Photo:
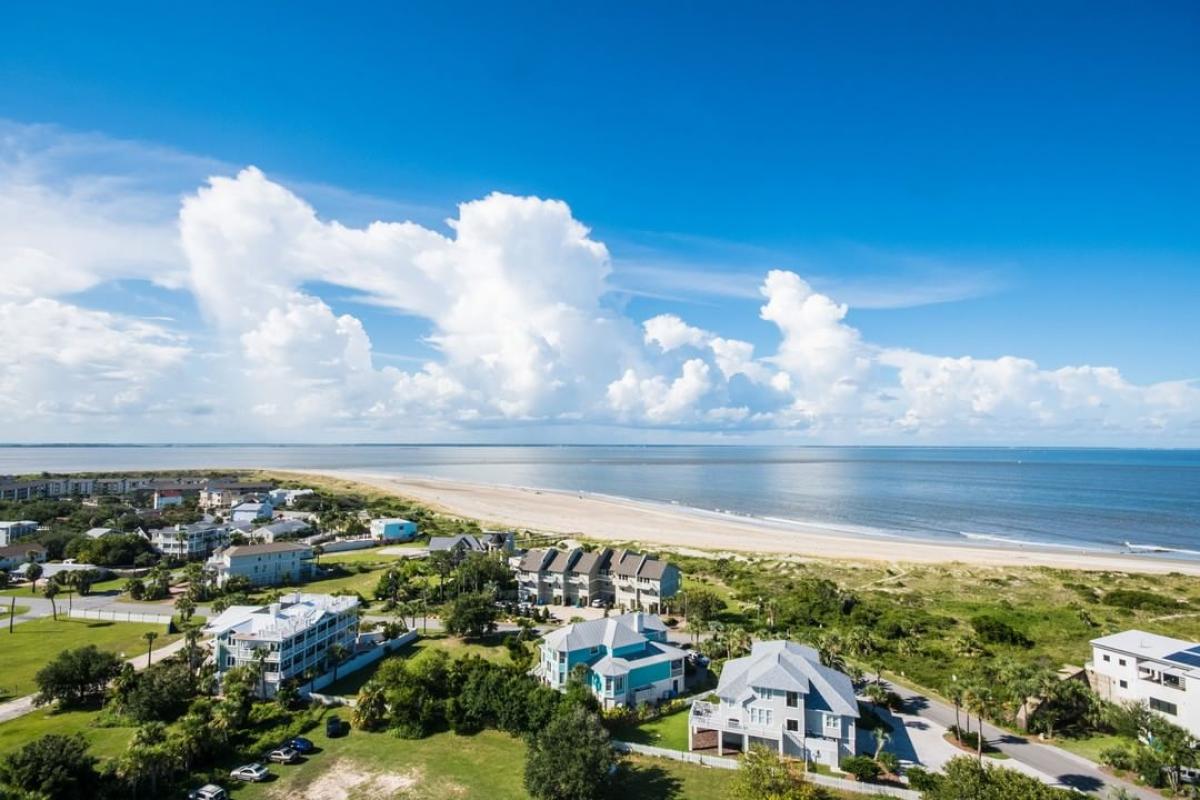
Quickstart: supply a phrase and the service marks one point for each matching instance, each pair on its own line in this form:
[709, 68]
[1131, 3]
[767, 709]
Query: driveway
[1027, 754]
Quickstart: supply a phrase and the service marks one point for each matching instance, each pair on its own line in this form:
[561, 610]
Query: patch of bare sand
[345, 780]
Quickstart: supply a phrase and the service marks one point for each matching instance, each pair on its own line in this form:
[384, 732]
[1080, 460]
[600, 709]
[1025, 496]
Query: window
[760, 716]
[793, 724]
[1121, 661]
[793, 699]
[832, 721]
[1106, 658]
[1163, 706]
[1124, 684]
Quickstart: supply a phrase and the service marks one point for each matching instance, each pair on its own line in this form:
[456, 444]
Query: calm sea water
[1096, 499]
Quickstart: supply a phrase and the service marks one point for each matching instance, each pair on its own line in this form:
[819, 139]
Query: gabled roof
[451, 542]
[264, 549]
[562, 561]
[791, 667]
[612, 633]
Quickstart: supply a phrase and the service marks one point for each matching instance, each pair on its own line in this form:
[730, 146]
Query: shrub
[53, 766]
[75, 676]
[922, 779]
[1139, 600]
[1118, 757]
[863, 768]
[993, 630]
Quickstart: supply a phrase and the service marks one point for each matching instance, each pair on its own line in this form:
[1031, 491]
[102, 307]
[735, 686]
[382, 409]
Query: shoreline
[616, 519]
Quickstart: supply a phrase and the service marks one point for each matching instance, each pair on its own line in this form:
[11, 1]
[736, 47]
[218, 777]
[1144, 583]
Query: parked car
[284, 755]
[599, 602]
[250, 773]
[333, 727]
[300, 745]
[209, 791]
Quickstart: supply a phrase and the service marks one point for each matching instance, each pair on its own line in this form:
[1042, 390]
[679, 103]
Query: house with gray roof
[273, 564]
[626, 659]
[1159, 672]
[463, 543]
[624, 579]
[781, 697]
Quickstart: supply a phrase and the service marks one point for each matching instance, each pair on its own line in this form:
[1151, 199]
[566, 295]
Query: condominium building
[626, 659]
[274, 564]
[11, 531]
[189, 542]
[625, 579]
[1158, 672]
[293, 638]
[780, 697]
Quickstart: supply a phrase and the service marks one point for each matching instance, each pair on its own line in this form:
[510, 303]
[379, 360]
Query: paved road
[1066, 768]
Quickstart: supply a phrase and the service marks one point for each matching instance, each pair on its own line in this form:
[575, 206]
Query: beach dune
[613, 519]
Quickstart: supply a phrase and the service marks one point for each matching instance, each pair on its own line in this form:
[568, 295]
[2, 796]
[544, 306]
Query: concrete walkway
[24, 705]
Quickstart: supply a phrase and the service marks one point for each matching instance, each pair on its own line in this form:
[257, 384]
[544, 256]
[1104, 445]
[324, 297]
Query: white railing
[120, 616]
[854, 787]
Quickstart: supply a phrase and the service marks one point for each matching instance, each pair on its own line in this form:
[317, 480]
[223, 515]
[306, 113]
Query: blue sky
[975, 180]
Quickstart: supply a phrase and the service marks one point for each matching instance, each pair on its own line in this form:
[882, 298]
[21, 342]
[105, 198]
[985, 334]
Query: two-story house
[781, 697]
[273, 564]
[626, 659]
[188, 542]
[290, 637]
[625, 579]
[393, 529]
[1158, 672]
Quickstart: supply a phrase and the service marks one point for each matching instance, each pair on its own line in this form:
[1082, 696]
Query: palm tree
[442, 561]
[192, 637]
[829, 648]
[980, 699]
[337, 654]
[882, 737]
[955, 695]
[186, 607]
[149, 636]
[33, 571]
[50, 591]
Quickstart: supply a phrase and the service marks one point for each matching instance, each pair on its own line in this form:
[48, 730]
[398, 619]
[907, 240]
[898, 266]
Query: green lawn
[32, 644]
[24, 590]
[371, 556]
[1089, 747]
[670, 731]
[362, 582]
[490, 648]
[14, 610]
[105, 742]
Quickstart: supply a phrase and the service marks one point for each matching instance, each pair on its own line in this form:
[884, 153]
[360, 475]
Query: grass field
[1089, 747]
[17, 610]
[490, 648]
[104, 742]
[24, 590]
[32, 644]
[670, 731]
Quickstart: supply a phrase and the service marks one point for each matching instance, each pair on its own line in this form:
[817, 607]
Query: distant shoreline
[617, 519]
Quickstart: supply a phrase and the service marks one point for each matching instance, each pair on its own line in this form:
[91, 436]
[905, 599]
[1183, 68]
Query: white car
[208, 792]
[284, 755]
[599, 602]
[250, 773]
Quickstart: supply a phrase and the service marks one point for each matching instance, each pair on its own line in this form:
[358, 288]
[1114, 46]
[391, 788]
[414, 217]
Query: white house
[1158, 672]
[13, 556]
[99, 533]
[275, 531]
[286, 497]
[189, 542]
[293, 636]
[11, 531]
[251, 510]
[781, 697]
[272, 564]
[393, 529]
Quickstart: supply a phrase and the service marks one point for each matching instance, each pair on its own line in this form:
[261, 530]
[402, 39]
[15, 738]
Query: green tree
[370, 710]
[763, 775]
[863, 768]
[54, 766]
[50, 592]
[472, 615]
[33, 572]
[76, 676]
[571, 759]
[186, 607]
[149, 636]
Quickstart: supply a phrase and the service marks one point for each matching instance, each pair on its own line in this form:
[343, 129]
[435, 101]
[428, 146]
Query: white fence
[359, 661]
[342, 545]
[120, 616]
[872, 789]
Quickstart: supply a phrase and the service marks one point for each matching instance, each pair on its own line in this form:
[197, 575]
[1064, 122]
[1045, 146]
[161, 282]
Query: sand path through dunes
[652, 524]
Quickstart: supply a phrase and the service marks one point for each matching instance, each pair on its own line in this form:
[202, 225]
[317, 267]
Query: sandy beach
[613, 519]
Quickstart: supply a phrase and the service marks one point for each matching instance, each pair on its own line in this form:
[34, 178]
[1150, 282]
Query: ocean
[1145, 501]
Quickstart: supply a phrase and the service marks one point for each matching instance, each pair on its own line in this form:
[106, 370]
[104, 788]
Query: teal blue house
[627, 659]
